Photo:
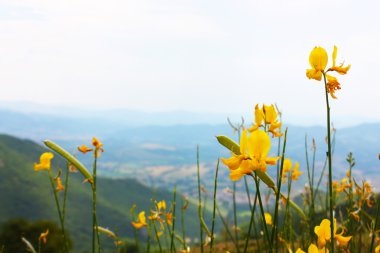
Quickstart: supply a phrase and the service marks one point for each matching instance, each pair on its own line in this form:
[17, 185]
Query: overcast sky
[196, 55]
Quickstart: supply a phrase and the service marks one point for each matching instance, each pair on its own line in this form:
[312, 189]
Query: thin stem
[39, 246]
[199, 202]
[173, 220]
[59, 212]
[226, 227]
[65, 193]
[262, 213]
[235, 215]
[214, 206]
[95, 231]
[329, 162]
[310, 177]
[157, 237]
[248, 194]
[279, 181]
[250, 224]
[183, 224]
[375, 226]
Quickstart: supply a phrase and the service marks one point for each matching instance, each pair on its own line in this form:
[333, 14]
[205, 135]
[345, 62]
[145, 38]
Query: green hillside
[27, 194]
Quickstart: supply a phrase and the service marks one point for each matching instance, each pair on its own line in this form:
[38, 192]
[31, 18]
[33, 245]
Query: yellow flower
[332, 85]
[271, 119]
[323, 231]
[324, 234]
[161, 205]
[268, 115]
[43, 236]
[318, 60]
[98, 146]
[296, 173]
[300, 251]
[44, 162]
[268, 218]
[141, 221]
[340, 69]
[314, 249]
[342, 240]
[84, 149]
[254, 150]
[287, 168]
[259, 117]
[60, 186]
[377, 249]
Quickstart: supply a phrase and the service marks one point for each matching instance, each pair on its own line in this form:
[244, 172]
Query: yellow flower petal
[312, 249]
[343, 240]
[233, 162]
[259, 144]
[141, 221]
[314, 74]
[44, 162]
[268, 218]
[318, 58]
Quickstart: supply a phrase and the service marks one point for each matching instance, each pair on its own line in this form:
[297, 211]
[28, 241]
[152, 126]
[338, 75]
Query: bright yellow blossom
[295, 172]
[268, 218]
[377, 249]
[323, 231]
[253, 155]
[60, 186]
[141, 221]
[267, 115]
[98, 146]
[340, 69]
[324, 234]
[259, 117]
[84, 149]
[43, 236]
[44, 162]
[287, 168]
[313, 249]
[318, 60]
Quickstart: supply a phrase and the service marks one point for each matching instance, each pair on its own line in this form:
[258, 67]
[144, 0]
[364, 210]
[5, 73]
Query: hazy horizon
[214, 57]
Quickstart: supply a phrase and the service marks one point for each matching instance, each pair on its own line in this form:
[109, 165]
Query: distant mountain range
[165, 155]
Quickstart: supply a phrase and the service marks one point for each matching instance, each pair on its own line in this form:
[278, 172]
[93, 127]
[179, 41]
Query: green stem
[214, 205]
[39, 246]
[235, 215]
[375, 226]
[173, 220]
[279, 181]
[183, 225]
[157, 237]
[226, 227]
[310, 177]
[329, 162]
[262, 213]
[59, 212]
[199, 202]
[65, 193]
[95, 231]
[250, 224]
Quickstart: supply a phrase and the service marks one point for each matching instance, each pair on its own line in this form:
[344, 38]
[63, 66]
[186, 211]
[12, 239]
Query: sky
[200, 56]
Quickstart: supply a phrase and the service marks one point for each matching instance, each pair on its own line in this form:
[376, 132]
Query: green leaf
[70, 158]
